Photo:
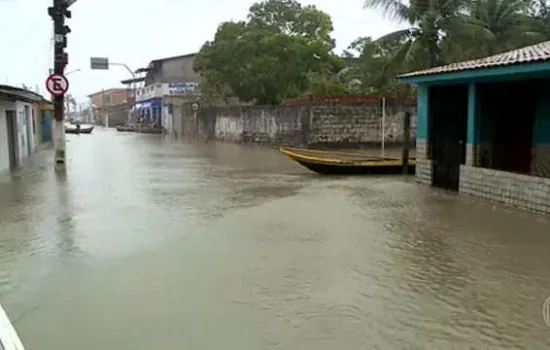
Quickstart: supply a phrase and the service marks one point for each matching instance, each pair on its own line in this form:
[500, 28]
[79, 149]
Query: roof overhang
[142, 70]
[10, 93]
[131, 81]
[510, 72]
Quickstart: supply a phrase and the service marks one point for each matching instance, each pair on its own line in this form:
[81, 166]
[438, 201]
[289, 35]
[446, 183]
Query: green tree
[444, 31]
[271, 56]
[428, 19]
[493, 26]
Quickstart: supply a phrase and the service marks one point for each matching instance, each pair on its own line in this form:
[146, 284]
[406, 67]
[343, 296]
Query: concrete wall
[423, 164]
[522, 191]
[179, 70]
[24, 126]
[37, 124]
[4, 150]
[316, 126]
[173, 69]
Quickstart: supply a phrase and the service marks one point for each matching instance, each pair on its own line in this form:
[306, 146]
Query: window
[33, 125]
[108, 100]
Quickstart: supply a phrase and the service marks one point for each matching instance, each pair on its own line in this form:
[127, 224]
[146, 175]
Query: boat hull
[141, 130]
[328, 169]
[8, 336]
[341, 163]
[82, 130]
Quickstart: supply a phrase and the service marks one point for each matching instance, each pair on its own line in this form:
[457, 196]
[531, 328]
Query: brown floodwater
[151, 244]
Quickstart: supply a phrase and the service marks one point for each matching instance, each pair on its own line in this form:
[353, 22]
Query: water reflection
[168, 241]
[66, 225]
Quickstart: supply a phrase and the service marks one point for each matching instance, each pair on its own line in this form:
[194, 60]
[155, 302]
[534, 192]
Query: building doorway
[29, 129]
[11, 126]
[508, 124]
[448, 122]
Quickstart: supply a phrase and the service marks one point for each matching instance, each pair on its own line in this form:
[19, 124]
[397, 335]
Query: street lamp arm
[125, 66]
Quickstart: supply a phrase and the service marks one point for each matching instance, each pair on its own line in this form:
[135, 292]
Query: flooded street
[151, 244]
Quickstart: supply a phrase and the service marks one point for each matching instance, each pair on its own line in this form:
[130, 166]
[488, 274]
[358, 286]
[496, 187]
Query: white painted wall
[4, 150]
[24, 129]
[167, 123]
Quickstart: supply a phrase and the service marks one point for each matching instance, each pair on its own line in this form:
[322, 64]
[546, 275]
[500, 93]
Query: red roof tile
[530, 54]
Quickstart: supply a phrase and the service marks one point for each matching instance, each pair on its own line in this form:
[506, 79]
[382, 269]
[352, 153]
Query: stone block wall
[523, 191]
[358, 124]
[329, 125]
[423, 164]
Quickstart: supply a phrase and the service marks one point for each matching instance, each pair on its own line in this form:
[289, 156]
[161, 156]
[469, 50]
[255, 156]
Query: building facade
[166, 82]
[111, 106]
[110, 97]
[483, 127]
[18, 125]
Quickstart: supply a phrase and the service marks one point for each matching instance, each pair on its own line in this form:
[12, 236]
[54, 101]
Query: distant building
[111, 97]
[21, 122]
[166, 81]
[111, 105]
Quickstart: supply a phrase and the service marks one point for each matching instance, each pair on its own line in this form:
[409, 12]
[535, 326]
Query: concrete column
[422, 115]
[472, 137]
[59, 142]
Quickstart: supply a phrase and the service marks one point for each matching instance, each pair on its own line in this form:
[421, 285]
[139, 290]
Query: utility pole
[58, 12]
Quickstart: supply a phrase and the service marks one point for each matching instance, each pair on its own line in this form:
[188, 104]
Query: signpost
[101, 63]
[57, 85]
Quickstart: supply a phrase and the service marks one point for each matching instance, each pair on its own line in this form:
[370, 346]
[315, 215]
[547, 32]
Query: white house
[18, 108]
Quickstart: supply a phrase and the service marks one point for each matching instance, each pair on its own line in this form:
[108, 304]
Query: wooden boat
[346, 163]
[139, 129]
[122, 128]
[73, 129]
[9, 340]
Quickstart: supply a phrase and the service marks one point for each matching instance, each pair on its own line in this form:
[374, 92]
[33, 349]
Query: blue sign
[152, 103]
[182, 88]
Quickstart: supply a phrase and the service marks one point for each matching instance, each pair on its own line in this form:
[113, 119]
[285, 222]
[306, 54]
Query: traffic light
[58, 12]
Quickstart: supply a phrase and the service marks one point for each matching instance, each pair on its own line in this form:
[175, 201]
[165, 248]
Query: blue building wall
[422, 111]
[480, 119]
[473, 110]
[46, 126]
[151, 109]
[541, 129]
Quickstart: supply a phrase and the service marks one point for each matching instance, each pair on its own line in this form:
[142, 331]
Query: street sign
[57, 84]
[99, 63]
[195, 106]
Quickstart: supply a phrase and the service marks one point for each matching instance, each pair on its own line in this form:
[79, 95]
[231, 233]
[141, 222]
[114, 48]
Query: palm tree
[70, 101]
[429, 20]
[494, 26]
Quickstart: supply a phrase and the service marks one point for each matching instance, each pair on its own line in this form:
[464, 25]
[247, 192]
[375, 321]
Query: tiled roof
[529, 54]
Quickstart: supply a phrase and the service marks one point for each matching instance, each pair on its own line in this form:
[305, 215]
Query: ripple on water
[352, 263]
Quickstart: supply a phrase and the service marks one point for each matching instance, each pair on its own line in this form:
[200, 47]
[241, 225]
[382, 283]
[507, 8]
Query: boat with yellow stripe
[346, 163]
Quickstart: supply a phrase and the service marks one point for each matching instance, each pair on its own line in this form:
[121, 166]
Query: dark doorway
[448, 131]
[12, 140]
[510, 122]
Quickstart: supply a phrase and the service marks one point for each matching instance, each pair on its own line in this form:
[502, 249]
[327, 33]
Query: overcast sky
[135, 32]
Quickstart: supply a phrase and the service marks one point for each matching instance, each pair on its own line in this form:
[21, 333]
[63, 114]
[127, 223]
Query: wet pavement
[151, 244]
